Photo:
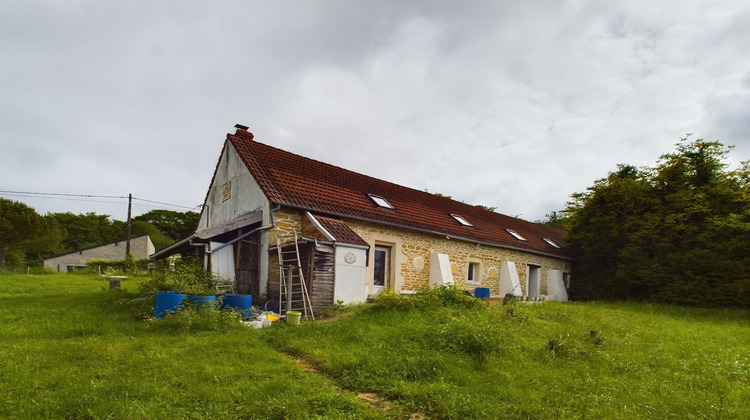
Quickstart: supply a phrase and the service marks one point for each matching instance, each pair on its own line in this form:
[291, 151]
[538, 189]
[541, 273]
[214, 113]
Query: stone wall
[410, 255]
[141, 247]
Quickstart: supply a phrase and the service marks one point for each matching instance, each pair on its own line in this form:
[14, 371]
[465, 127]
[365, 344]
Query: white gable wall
[245, 197]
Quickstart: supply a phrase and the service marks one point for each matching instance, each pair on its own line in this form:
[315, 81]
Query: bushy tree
[23, 229]
[679, 232]
[84, 230]
[174, 224]
[158, 238]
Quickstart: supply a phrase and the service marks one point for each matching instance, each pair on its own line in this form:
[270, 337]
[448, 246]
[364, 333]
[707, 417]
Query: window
[473, 272]
[380, 201]
[549, 241]
[382, 267]
[461, 220]
[226, 191]
[516, 235]
[566, 279]
[533, 280]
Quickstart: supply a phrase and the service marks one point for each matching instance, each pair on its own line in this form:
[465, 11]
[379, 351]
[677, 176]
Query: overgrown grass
[593, 360]
[69, 348]
[72, 349]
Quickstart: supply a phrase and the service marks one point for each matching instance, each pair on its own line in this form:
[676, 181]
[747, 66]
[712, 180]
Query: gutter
[177, 244]
[333, 243]
[360, 219]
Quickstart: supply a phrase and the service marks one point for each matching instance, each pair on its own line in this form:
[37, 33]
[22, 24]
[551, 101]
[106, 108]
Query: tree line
[678, 232]
[27, 237]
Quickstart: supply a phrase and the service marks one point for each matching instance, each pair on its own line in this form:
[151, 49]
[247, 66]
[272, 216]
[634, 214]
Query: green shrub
[426, 298]
[388, 299]
[199, 318]
[188, 276]
[128, 266]
[446, 296]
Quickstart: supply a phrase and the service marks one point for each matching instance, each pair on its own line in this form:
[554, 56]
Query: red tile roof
[340, 231]
[293, 180]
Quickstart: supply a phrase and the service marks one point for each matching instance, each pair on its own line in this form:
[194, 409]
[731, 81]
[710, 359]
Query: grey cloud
[509, 104]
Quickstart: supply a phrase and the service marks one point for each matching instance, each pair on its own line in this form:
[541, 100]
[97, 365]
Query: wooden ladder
[293, 294]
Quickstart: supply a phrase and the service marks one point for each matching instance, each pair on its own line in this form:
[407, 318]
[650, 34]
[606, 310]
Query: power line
[62, 196]
[166, 204]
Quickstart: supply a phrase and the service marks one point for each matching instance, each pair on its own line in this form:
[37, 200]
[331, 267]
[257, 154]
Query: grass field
[71, 349]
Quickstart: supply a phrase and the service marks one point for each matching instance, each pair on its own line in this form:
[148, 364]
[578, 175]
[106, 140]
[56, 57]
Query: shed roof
[132, 238]
[293, 180]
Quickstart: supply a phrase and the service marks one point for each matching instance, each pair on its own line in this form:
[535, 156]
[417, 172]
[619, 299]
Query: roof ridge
[298, 181]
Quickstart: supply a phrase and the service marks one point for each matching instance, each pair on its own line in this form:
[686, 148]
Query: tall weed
[428, 299]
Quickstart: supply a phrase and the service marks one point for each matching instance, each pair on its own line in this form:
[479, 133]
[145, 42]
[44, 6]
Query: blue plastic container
[482, 292]
[202, 300]
[242, 303]
[167, 302]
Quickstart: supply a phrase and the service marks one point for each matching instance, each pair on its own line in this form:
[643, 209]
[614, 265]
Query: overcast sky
[510, 104]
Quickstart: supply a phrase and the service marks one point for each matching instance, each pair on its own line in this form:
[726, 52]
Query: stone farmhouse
[355, 235]
[140, 246]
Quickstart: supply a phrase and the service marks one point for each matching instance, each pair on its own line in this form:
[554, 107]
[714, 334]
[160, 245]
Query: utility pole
[130, 212]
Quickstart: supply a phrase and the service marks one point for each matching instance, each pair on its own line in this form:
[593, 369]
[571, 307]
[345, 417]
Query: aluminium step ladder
[293, 294]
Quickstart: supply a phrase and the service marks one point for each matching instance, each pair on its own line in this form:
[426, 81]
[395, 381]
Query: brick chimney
[243, 130]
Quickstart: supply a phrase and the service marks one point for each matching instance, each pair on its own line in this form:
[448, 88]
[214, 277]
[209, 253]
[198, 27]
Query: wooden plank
[234, 224]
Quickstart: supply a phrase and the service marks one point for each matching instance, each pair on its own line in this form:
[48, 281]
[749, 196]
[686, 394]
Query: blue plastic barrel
[242, 303]
[167, 302]
[482, 292]
[202, 300]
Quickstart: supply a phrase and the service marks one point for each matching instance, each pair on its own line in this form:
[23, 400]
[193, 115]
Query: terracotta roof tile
[340, 231]
[295, 180]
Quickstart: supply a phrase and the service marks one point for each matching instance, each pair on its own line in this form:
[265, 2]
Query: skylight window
[461, 220]
[516, 235]
[380, 201]
[551, 242]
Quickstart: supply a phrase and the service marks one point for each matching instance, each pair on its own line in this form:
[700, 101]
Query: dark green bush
[199, 318]
[438, 297]
[188, 276]
[127, 266]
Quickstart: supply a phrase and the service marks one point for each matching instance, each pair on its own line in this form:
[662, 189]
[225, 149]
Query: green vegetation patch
[554, 360]
[72, 348]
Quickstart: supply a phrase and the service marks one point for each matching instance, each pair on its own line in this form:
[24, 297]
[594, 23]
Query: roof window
[551, 242]
[516, 235]
[380, 201]
[461, 220]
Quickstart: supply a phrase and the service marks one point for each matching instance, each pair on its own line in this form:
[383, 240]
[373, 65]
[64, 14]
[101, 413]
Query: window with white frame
[551, 242]
[473, 273]
[380, 201]
[461, 220]
[516, 235]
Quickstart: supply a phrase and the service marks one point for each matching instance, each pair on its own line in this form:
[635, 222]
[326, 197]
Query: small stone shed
[140, 246]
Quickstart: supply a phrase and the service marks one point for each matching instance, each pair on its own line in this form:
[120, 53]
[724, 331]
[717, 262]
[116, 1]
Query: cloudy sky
[511, 104]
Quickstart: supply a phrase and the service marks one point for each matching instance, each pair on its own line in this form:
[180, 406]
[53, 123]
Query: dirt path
[379, 403]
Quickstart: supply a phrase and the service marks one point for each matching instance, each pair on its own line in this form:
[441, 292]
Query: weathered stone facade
[411, 250]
